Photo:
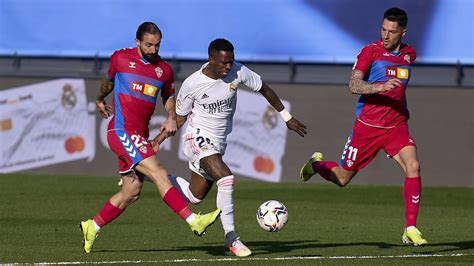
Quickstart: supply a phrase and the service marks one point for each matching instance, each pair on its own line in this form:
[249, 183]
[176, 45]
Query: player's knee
[343, 182]
[344, 179]
[413, 166]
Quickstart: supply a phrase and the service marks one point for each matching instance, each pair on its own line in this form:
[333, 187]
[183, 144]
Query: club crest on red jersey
[159, 72]
[407, 58]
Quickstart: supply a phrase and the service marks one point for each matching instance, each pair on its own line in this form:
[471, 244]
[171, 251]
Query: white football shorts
[197, 146]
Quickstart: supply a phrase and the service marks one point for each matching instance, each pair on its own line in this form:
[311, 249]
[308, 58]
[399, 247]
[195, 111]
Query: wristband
[285, 115]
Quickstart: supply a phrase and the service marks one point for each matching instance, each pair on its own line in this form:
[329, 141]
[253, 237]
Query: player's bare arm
[169, 126]
[156, 142]
[106, 87]
[275, 101]
[357, 84]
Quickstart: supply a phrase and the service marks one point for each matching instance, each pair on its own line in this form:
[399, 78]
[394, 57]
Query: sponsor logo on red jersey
[138, 86]
[144, 88]
[397, 72]
[391, 71]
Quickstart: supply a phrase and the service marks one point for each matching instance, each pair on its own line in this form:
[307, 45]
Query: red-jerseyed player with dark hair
[137, 75]
[380, 75]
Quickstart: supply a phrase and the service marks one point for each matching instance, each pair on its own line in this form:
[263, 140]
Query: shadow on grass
[269, 247]
[452, 246]
[262, 247]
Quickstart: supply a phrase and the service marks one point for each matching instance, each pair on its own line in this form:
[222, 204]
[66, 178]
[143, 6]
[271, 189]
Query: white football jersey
[210, 103]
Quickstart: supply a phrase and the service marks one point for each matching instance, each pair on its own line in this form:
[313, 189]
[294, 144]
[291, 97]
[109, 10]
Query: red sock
[324, 168]
[107, 214]
[412, 197]
[176, 202]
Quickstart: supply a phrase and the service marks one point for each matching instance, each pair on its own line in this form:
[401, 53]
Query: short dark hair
[220, 45]
[396, 14]
[147, 27]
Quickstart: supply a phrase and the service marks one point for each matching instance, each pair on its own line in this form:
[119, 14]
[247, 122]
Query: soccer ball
[272, 216]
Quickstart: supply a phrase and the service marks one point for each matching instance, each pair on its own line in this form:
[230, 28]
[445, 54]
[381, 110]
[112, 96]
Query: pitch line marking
[252, 259]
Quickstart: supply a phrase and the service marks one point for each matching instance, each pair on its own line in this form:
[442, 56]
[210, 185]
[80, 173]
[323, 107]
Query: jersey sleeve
[112, 66]
[364, 60]
[250, 78]
[411, 54]
[185, 100]
[168, 89]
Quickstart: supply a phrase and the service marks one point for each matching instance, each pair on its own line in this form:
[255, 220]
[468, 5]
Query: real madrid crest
[159, 72]
[178, 104]
[68, 99]
[232, 87]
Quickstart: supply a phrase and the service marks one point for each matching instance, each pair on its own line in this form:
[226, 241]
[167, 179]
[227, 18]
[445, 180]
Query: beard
[149, 57]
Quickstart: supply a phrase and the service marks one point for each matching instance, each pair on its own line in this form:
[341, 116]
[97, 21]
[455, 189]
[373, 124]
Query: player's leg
[130, 191]
[114, 207]
[215, 167]
[402, 149]
[361, 148]
[152, 168]
[195, 190]
[329, 170]
[408, 161]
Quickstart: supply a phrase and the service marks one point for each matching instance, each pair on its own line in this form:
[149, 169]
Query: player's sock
[225, 202]
[96, 226]
[412, 197]
[183, 186]
[106, 215]
[191, 198]
[176, 202]
[323, 168]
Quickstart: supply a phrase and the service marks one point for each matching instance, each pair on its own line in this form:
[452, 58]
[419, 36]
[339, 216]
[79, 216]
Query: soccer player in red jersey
[380, 75]
[136, 76]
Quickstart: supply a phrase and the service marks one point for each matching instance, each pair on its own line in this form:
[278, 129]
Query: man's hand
[296, 126]
[389, 85]
[104, 109]
[169, 127]
[155, 143]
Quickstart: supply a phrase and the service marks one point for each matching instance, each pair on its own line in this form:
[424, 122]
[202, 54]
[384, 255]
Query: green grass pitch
[39, 217]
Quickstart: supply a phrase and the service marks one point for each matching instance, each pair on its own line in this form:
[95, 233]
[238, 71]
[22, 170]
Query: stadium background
[304, 49]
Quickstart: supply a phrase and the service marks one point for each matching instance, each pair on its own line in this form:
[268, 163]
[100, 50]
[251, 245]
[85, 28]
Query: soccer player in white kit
[207, 99]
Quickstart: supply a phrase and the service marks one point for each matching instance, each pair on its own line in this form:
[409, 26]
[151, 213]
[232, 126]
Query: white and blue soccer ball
[272, 216]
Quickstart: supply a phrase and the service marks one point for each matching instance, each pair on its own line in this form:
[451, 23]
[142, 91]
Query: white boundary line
[251, 259]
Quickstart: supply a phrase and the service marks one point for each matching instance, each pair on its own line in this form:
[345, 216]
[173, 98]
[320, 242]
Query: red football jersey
[386, 109]
[137, 83]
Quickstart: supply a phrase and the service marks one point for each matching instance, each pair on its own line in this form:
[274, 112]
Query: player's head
[393, 28]
[221, 57]
[148, 39]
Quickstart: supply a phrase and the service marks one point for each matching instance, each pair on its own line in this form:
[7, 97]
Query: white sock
[191, 218]
[96, 226]
[183, 186]
[225, 202]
